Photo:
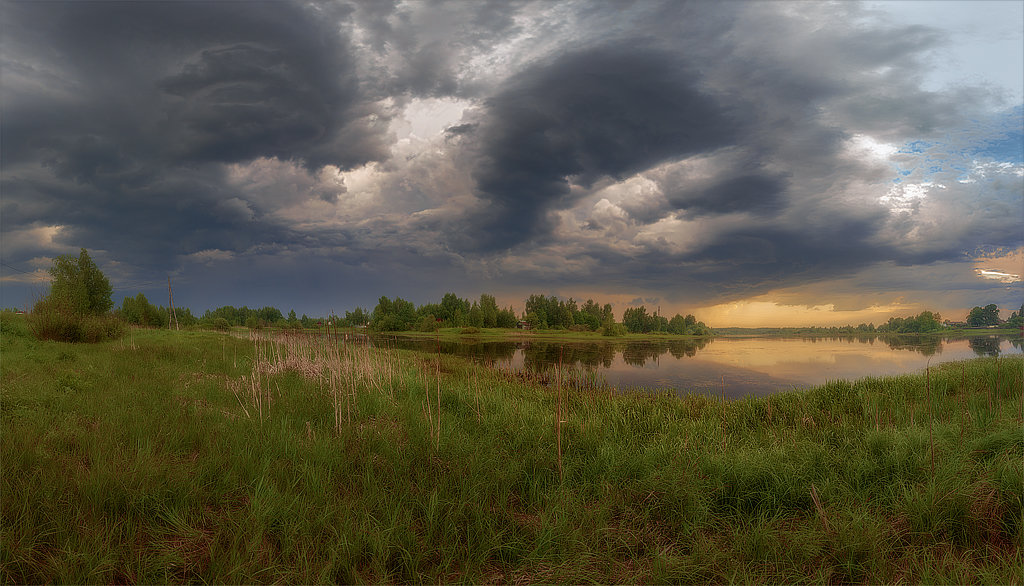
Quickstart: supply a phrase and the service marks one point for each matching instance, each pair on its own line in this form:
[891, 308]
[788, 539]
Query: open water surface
[735, 366]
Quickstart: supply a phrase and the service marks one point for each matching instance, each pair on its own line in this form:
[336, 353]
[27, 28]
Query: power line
[134, 286]
[19, 270]
[119, 288]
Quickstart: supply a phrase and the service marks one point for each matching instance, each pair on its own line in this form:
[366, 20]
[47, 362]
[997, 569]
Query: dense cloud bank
[323, 154]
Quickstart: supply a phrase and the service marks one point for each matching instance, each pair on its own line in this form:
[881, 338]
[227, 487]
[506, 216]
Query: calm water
[743, 366]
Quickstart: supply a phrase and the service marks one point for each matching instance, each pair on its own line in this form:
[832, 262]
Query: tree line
[541, 312]
[79, 308]
[452, 311]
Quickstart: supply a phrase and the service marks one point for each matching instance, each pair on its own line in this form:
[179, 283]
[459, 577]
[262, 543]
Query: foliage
[265, 316]
[980, 317]
[220, 323]
[392, 316]
[356, 318]
[140, 312]
[612, 329]
[636, 320]
[79, 285]
[428, 323]
[924, 322]
[77, 308]
[1016, 318]
[56, 319]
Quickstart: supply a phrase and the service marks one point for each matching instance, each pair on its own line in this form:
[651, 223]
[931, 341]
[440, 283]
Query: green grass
[135, 462]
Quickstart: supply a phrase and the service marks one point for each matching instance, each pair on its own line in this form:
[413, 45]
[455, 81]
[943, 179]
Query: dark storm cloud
[120, 117]
[607, 111]
[193, 82]
[686, 149]
[758, 194]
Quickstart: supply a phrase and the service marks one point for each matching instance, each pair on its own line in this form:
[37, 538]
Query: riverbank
[197, 456]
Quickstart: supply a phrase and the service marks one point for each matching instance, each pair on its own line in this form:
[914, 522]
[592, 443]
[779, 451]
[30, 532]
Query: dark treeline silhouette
[541, 312]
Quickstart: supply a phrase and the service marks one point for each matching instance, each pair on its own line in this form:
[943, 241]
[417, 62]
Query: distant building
[523, 325]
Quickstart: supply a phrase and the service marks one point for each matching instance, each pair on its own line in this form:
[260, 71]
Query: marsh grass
[201, 457]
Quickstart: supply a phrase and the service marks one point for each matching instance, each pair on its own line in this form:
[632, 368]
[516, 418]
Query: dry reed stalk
[820, 509]
[428, 410]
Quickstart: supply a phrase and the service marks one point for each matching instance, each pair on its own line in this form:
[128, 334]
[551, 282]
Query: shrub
[613, 330]
[53, 319]
[428, 324]
[470, 330]
[221, 324]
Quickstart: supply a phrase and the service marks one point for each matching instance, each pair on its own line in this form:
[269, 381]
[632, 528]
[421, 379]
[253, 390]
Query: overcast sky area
[753, 163]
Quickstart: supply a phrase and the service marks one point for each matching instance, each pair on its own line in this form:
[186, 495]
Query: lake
[741, 366]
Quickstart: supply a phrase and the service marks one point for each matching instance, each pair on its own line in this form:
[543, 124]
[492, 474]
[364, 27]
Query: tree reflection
[543, 355]
[926, 345]
[984, 345]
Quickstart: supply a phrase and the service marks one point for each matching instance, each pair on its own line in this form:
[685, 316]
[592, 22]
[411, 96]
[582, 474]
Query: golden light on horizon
[771, 314]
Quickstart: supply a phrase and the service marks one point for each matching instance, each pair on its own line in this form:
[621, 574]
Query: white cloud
[210, 256]
[998, 275]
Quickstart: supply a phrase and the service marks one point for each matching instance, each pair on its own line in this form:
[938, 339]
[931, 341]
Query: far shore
[513, 334]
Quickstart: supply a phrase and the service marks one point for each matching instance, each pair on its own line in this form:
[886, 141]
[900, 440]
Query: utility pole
[170, 300]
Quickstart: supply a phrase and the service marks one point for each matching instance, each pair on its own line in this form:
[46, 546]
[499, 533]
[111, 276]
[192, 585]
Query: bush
[221, 324]
[389, 323]
[470, 330]
[428, 324]
[51, 319]
[613, 330]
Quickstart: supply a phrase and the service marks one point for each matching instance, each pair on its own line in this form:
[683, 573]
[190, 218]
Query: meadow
[199, 456]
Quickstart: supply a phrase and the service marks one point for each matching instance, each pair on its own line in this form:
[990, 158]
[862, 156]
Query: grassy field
[205, 457]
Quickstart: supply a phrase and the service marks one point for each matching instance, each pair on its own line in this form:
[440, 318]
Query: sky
[753, 163]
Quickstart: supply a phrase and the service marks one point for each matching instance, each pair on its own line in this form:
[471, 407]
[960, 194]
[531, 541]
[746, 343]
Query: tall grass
[153, 463]
[52, 319]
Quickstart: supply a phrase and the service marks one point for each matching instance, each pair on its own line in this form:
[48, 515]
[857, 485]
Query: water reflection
[543, 354]
[925, 345]
[736, 366]
[985, 345]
